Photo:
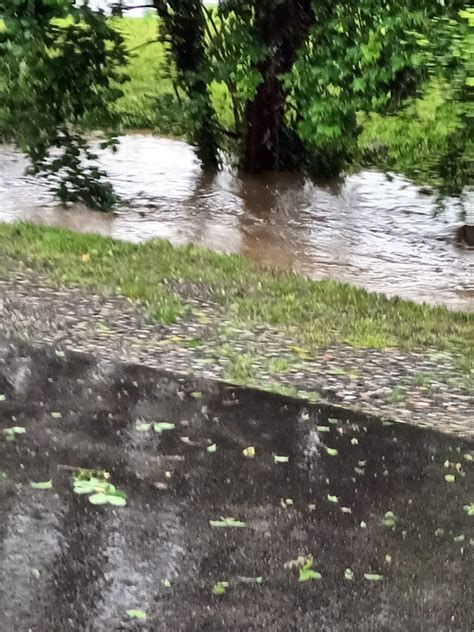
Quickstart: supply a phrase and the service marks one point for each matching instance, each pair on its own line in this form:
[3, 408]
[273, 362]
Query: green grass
[407, 141]
[149, 100]
[315, 313]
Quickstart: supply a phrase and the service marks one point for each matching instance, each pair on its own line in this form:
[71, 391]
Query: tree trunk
[183, 23]
[281, 26]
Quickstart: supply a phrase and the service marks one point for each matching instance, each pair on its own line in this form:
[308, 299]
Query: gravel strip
[422, 388]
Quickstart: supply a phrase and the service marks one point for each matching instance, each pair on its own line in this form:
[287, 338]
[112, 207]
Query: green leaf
[450, 478]
[332, 451]
[308, 575]
[354, 441]
[220, 588]
[137, 614]
[212, 448]
[143, 427]
[116, 500]
[227, 523]
[348, 574]
[469, 509]
[98, 499]
[161, 426]
[280, 459]
[196, 394]
[323, 428]
[56, 415]
[373, 577]
[306, 572]
[333, 499]
[42, 485]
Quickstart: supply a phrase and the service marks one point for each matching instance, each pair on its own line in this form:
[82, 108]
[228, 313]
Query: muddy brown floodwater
[390, 535]
[375, 231]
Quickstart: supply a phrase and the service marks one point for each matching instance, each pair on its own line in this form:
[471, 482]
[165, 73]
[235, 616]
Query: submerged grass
[317, 313]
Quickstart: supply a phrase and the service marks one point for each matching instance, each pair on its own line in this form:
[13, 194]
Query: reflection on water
[374, 231]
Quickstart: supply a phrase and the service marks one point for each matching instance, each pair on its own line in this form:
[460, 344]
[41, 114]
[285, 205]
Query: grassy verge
[317, 313]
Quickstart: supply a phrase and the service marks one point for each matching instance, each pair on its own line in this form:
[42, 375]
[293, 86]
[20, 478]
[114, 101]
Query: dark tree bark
[282, 26]
[184, 28]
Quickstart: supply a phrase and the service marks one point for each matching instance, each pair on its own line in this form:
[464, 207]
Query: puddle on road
[389, 534]
[374, 231]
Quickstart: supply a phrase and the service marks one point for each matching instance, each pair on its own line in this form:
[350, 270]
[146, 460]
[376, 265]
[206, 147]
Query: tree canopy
[297, 73]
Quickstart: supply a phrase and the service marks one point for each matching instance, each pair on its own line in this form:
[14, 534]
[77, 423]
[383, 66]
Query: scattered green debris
[159, 426]
[373, 577]
[439, 532]
[166, 583]
[3, 476]
[306, 572]
[249, 452]
[143, 427]
[333, 421]
[459, 538]
[137, 614]
[11, 433]
[220, 588]
[3, 397]
[347, 510]
[212, 448]
[333, 499]
[332, 451]
[251, 580]
[389, 519]
[100, 491]
[450, 478]
[354, 441]
[196, 394]
[469, 509]
[348, 574]
[227, 522]
[42, 485]
[56, 415]
[280, 459]
[469, 457]
[323, 428]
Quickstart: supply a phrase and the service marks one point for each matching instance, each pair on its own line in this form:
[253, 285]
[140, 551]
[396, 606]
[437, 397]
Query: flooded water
[374, 230]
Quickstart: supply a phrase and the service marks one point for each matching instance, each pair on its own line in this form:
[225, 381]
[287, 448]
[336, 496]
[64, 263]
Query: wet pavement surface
[383, 509]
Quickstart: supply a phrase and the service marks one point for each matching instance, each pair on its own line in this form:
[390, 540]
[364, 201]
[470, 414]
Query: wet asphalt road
[390, 536]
